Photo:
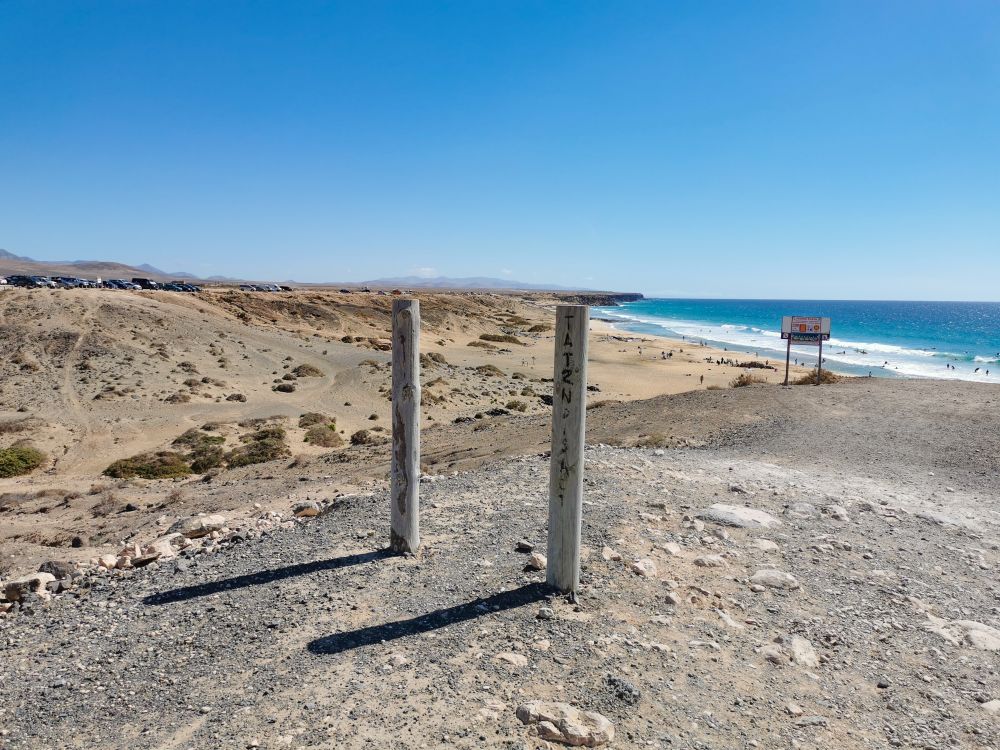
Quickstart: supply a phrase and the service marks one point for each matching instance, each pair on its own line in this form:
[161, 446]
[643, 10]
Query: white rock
[793, 710]
[517, 660]
[537, 561]
[739, 516]
[644, 567]
[108, 561]
[560, 722]
[774, 653]
[197, 526]
[992, 707]
[671, 548]
[610, 555]
[766, 545]
[836, 512]
[803, 653]
[710, 561]
[162, 547]
[966, 632]
[16, 588]
[774, 579]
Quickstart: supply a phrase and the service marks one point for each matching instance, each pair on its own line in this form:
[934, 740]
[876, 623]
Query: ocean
[886, 339]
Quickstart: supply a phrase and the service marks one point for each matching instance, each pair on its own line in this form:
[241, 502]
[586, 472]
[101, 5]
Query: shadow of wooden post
[569, 409]
[404, 535]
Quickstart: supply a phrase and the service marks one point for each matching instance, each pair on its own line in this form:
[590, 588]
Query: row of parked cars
[72, 282]
[264, 288]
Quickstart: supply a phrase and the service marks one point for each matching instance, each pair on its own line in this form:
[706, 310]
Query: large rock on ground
[739, 516]
[774, 579]
[197, 526]
[560, 722]
[965, 632]
[32, 583]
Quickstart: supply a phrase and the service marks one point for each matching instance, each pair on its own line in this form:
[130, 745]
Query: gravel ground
[313, 636]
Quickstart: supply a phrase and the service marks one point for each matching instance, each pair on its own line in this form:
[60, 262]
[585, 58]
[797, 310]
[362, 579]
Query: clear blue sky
[773, 149]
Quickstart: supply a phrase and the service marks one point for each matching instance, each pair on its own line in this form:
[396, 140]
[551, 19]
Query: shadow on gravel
[264, 576]
[352, 639]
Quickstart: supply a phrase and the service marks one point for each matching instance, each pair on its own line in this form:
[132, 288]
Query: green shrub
[206, 457]
[195, 438]
[516, 405]
[271, 432]
[20, 458]
[159, 465]
[257, 452]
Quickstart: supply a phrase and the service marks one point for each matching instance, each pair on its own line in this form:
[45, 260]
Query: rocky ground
[802, 579]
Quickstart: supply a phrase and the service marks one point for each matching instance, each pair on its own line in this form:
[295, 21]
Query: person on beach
[701, 380]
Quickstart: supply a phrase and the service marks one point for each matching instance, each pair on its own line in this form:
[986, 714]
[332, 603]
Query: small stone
[793, 710]
[774, 653]
[739, 517]
[766, 545]
[524, 546]
[882, 684]
[644, 567]
[562, 723]
[306, 509]
[509, 657]
[546, 613]
[774, 579]
[610, 555]
[537, 561]
[836, 512]
[108, 561]
[803, 653]
[57, 568]
[197, 526]
[18, 589]
[992, 707]
[671, 548]
[671, 598]
[710, 561]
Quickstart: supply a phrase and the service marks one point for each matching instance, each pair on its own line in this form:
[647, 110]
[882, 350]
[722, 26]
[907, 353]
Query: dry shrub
[540, 328]
[324, 436]
[602, 403]
[500, 338]
[744, 379]
[311, 418]
[366, 437]
[107, 505]
[517, 405]
[284, 388]
[715, 388]
[490, 371]
[656, 440]
[482, 345]
[810, 379]
[307, 371]
[11, 426]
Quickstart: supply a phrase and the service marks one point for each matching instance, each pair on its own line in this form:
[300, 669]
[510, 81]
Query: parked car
[146, 283]
[43, 281]
[186, 286]
[66, 282]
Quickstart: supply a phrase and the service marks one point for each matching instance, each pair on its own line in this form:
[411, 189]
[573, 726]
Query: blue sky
[773, 149]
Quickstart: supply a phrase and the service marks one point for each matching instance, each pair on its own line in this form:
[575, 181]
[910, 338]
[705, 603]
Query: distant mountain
[469, 282]
[4, 255]
[11, 264]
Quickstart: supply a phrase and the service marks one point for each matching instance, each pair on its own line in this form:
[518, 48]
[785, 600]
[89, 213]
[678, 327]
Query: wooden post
[819, 364]
[405, 483]
[788, 357]
[569, 409]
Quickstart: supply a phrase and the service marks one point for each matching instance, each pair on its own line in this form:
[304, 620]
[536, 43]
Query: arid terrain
[763, 566]
[90, 377]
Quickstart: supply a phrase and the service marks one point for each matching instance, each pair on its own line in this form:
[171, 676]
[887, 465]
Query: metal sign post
[805, 329]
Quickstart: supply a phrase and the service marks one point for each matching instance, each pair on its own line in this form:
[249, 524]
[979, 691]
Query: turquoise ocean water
[892, 339]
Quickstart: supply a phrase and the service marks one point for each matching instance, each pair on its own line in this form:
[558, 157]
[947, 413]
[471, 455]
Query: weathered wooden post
[405, 482]
[569, 409]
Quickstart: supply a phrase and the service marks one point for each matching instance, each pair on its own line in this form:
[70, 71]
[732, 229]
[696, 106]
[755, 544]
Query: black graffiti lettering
[568, 341]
